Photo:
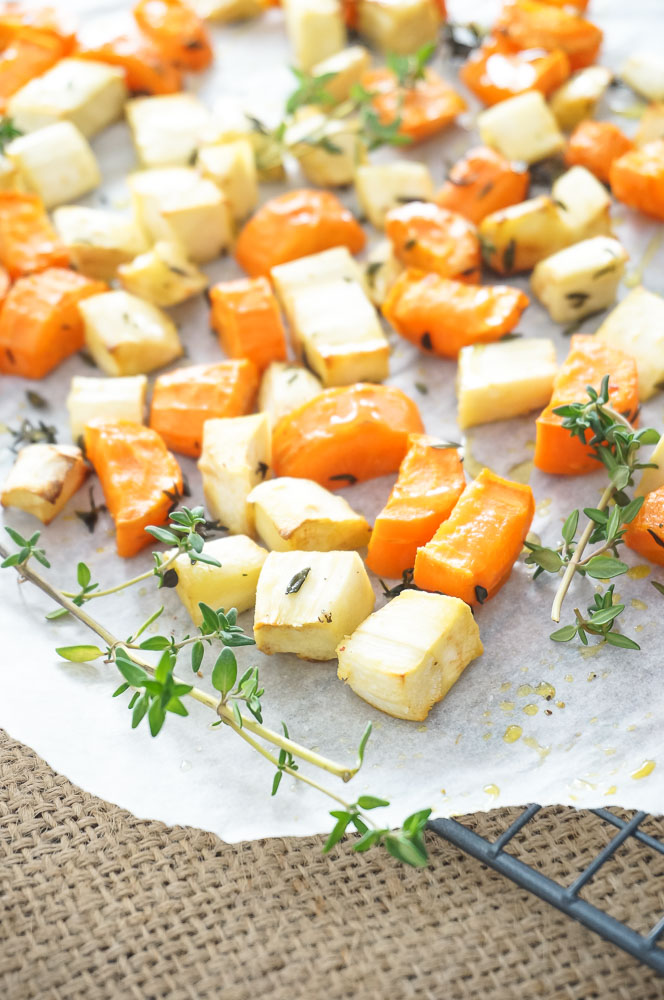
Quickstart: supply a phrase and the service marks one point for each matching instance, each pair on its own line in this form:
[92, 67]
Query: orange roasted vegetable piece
[136, 473]
[482, 182]
[595, 145]
[28, 241]
[16, 21]
[588, 361]
[40, 324]
[442, 316]
[645, 534]
[146, 71]
[293, 225]
[430, 482]
[472, 553]
[493, 74]
[246, 316]
[637, 179]
[177, 31]
[28, 54]
[345, 435]
[530, 24]
[423, 109]
[5, 284]
[432, 238]
[182, 400]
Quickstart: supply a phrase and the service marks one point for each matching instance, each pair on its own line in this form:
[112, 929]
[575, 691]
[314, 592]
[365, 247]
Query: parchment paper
[589, 718]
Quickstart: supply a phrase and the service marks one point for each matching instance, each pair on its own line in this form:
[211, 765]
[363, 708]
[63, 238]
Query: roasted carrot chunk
[472, 553]
[345, 435]
[246, 316]
[430, 482]
[28, 241]
[423, 109]
[493, 74]
[595, 145]
[432, 238]
[146, 71]
[136, 473]
[482, 182]
[5, 284]
[16, 21]
[637, 179]
[588, 361]
[28, 54]
[177, 31]
[645, 534]
[182, 400]
[40, 324]
[442, 316]
[296, 224]
[530, 24]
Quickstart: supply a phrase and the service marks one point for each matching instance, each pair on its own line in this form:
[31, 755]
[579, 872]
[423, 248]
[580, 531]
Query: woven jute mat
[98, 904]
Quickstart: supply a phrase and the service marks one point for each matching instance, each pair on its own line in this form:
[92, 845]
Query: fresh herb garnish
[36, 400]
[344, 477]
[90, 517]
[297, 581]
[8, 131]
[29, 433]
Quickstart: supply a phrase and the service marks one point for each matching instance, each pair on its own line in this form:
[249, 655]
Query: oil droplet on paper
[531, 709]
[639, 572]
[534, 745]
[506, 686]
[525, 690]
[545, 690]
[512, 734]
[507, 706]
[470, 463]
[492, 790]
[611, 790]
[185, 765]
[522, 471]
[542, 507]
[560, 704]
[487, 736]
[646, 768]
[421, 729]
[569, 678]
[588, 652]
[610, 751]
[640, 605]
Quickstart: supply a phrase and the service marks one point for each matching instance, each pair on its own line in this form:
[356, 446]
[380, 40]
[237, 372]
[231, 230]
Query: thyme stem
[576, 558]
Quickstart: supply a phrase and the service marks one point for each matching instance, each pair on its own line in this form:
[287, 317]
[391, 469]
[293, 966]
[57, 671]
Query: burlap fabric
[98, 904]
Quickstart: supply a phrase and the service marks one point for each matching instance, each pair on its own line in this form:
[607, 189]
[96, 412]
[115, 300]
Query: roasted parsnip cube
[176, 204]
[636, 326]
[89, 94]
[235, 118]
[97, 240]
[9, 175]
[167, 129]
[579, 96]
[284, 387]
[327, 149]
[584, 204]
[382, 186]
[162, 275]
[300, 514]
[503, 380]
[336, 264]
[516, 238]
[106, 398]
[651, 125]
[644, 73]
[231, 166]
[407, 655]
[56, 162]
[348, 65]
[315, 30]
[43, 478]
[127, 336]
[401, 26]
[227, 11]
[306, 602]
[231, 585]
[382, 268]
[581, 279]
[236, 456]
[521, 128]
[652, 479]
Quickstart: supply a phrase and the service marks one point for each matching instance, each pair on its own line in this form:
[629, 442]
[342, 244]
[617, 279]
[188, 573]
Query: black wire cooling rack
[644, 947]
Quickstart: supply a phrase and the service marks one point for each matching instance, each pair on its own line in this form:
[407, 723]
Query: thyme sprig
[8, 131]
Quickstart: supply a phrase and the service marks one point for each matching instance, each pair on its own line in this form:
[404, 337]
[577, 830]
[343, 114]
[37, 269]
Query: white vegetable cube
[636, 326]
[407, 655]
[652, 479]
[284, 387]
[328, 150]
[300, 514]
[56, 162]
[9, 176]
[578, 97]
[505, 379]
[236, 456]
[231, 585]
[162, 275]
[43, 478]
[226, 11]
[382, 268]
[231, 166]
[401, 26]
[521, 128]
[519, 236]
[109, 399]
[176, 204]
[644, 73]
[167, 129]
[581, 279]
[297, 275]
[315, 30]
[98, 240]
[236, 118]
[127, 336]
[383, 186]
[584, 204]
[348, 67]
[306, 602]
[89, 94]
